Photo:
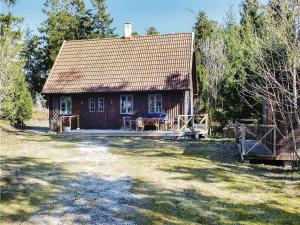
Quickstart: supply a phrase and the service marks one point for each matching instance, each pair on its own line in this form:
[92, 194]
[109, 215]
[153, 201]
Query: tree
[251, 14]
[65, 20]
[203, 30]
[102, 20]
[230, 19]
[277, 82]
[17, 106]
[32, 54]
[152, 31]
[214, 61]
[16, 102]
[136, 34]
[10, 2]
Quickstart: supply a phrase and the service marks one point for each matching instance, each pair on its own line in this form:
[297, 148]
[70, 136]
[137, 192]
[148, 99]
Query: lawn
[170, 182]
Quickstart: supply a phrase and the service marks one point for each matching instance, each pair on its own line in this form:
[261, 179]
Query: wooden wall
[111, 118]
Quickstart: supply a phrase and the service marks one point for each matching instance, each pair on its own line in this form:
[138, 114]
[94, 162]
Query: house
[103, 80]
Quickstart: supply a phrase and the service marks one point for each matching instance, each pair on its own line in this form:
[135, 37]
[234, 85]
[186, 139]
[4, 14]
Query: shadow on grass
[190, 207]
[45, 193]
[26, 180]
[217, 151]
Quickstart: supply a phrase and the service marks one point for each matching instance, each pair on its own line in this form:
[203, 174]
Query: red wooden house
[101, 80]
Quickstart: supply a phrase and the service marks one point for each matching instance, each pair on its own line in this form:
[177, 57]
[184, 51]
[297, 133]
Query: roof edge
[133, 37]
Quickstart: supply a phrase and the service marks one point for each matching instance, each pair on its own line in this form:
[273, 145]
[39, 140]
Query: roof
[145, 63]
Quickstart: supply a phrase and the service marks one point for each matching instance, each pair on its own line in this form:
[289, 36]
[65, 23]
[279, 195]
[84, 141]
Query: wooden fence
[259, 136]
[189, 121]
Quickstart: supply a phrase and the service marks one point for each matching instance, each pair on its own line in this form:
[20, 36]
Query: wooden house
[102, 80]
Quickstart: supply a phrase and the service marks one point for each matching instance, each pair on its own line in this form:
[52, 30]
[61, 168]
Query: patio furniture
[151, 122]
[61, 121]
[127, 122]
[139, 124]
[157, 119]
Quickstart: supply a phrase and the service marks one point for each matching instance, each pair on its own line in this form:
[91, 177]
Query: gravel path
[91, 199]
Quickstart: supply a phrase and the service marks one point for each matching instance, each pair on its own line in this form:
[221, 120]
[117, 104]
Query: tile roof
[158, 62]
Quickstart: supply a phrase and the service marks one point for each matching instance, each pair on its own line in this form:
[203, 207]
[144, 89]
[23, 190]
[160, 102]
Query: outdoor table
[151, 121]
[69, 120]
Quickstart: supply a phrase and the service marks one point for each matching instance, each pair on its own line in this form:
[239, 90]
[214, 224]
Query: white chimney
[128, 30]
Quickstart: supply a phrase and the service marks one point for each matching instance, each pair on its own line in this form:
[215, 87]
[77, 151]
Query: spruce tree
[152, 31]
[203, 30]
[17, 106]
[102, 21]
[16, 102]
[251, 15]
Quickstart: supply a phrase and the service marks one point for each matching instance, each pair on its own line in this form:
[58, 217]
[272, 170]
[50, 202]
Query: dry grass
[191, 182]
[202, 183]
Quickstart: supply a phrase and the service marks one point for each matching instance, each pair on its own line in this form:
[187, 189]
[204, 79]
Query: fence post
[274, 140]
[237, 131]
[243, 132]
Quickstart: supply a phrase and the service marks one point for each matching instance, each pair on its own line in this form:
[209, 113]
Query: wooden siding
[111, 118]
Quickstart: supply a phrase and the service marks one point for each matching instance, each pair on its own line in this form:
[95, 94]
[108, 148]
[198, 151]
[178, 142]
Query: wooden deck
[133, 133]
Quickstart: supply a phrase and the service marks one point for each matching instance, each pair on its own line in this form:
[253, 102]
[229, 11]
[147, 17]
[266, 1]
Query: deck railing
[188, 121]
[259, 135]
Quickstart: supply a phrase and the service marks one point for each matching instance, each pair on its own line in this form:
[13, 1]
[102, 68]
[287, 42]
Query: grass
[202, 182]
[188, 182]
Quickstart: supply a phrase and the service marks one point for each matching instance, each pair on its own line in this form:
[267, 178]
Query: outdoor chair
[127, 122]
[139, 123]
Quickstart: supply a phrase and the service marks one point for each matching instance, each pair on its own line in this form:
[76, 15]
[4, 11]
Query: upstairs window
[65, 105]
[92, 106]
[155, 103]
[101, 105]
[126, 103]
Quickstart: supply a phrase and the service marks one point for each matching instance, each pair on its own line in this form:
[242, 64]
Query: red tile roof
[158, 62]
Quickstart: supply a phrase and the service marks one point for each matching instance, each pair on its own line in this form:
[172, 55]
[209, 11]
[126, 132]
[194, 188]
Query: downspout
[191, 77]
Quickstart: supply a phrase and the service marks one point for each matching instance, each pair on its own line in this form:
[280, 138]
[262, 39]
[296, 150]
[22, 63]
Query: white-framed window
[65, 105]
[126, 104]
[100, 104]
[155, 103]
[92, 105]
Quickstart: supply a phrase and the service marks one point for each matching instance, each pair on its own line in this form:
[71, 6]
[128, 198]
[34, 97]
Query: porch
[132, 133]
[194, 126]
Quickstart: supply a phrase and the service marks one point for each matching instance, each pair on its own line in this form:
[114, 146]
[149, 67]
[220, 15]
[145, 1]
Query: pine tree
[33, 57]
[251, 15]
[152, 31]
[203, 30]
[17, 106]
[134, 33]
[102, 20]
[230, 19]
[16, 102]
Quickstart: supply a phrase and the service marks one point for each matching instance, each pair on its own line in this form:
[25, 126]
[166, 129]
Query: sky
[167, 16]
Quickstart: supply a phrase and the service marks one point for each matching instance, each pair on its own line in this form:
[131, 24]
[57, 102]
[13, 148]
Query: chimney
[128, 30]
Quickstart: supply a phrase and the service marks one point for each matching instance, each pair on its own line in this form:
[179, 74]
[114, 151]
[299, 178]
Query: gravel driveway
[91, 198]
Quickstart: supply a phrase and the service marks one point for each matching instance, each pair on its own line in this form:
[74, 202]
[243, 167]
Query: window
[65, 105]
[101, 105]
[92, 105]
[126, 102]
[155, 103]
